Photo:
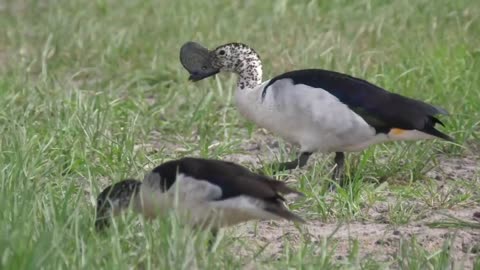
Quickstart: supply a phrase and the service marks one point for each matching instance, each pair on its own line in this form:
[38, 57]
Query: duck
[206, 194]
[318, 110]
[115, 199]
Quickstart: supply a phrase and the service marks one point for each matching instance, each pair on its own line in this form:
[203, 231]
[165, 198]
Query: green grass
[92, 92]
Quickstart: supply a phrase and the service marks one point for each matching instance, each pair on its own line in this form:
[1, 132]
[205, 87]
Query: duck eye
[221, 52]
[204, 67]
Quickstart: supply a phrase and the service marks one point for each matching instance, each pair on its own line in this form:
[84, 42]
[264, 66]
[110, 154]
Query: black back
[233, 179]
[379, 108]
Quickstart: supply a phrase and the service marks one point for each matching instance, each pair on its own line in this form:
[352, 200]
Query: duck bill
[197, 60]
[198, 76]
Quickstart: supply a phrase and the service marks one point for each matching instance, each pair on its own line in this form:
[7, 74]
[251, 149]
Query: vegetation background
[92, 92]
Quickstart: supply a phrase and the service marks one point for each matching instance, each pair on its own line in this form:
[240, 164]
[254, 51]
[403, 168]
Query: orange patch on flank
[397, 131]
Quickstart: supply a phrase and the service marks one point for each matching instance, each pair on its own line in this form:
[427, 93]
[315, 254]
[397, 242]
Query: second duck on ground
[204, 193]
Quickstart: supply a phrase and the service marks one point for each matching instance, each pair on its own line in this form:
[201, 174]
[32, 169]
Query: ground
[379, 238]
[93, 92]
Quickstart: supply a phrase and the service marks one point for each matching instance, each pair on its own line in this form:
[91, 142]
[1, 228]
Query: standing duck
[206, 193]
[319, 110]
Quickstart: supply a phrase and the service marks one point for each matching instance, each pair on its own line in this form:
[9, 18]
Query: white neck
[245, 62]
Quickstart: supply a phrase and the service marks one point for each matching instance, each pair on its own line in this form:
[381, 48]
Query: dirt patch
[448, 168]
[377, 241]
[157, 142]
[260, 147]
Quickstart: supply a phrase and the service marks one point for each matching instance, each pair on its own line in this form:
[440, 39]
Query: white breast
[310, 117]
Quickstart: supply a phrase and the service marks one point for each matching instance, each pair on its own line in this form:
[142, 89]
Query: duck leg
[290, 165]
[339, 168]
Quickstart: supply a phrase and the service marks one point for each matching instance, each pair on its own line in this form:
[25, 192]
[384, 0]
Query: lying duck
[319, 110]
[205, 193]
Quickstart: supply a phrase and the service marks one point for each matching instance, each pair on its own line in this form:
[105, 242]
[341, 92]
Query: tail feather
[437, 133]
[282, 188]
[430, 129]
[436, 121]
[281, 211]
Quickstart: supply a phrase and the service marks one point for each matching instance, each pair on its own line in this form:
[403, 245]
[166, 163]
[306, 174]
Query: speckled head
[235, 57]
[231, 57]
[114, 199]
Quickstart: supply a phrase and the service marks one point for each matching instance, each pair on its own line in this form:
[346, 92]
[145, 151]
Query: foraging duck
[319, 110]
[114, 199]
[207, 193]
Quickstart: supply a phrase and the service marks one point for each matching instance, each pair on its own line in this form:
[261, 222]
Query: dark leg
[290, 165]
[340, 165]
[302, 160]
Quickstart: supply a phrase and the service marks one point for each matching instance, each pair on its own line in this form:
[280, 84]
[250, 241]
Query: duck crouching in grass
[204, 193]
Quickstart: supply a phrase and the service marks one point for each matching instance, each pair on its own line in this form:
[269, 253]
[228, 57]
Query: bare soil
[378, 241]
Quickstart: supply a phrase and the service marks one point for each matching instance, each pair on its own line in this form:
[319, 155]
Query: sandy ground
[377, 241]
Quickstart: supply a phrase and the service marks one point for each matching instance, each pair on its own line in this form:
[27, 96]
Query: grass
[93, 92]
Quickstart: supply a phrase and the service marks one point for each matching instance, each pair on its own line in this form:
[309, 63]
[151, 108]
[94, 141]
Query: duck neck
[249, 69]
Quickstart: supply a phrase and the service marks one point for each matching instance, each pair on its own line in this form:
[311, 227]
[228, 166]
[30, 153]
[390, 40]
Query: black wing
[233, 179]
